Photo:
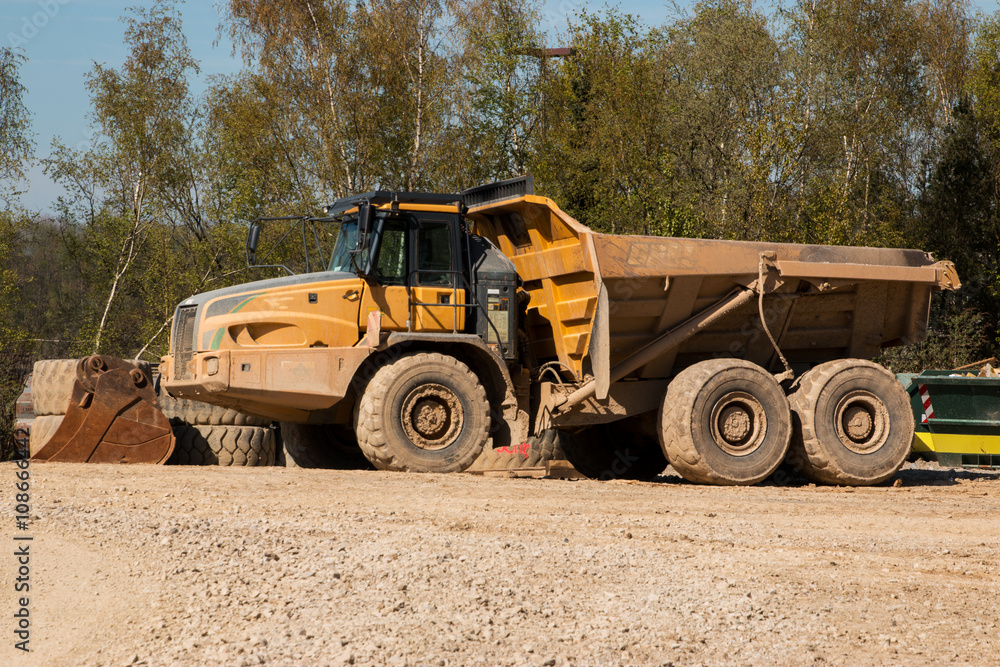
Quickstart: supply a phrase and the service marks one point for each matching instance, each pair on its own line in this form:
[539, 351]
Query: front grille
[184, 329]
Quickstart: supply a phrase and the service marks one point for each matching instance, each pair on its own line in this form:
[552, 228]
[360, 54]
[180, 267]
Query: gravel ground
[179, 565]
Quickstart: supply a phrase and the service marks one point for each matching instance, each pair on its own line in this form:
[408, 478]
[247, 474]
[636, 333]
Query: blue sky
[63, 38]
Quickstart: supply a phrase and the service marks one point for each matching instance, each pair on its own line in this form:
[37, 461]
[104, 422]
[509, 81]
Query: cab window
[434, 253]
[391, 268]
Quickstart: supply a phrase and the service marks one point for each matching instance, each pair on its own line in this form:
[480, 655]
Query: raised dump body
[820, 302]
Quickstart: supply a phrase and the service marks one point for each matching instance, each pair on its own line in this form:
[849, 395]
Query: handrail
[473, 303]
[301, 221]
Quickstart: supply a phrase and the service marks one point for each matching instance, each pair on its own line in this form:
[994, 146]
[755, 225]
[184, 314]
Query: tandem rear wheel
[727, 421]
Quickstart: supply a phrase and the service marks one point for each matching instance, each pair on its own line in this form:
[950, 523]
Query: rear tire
[331, 446]
[425, 412]
[223, 445]
[534, 452]
[855, 423]
[725, 421]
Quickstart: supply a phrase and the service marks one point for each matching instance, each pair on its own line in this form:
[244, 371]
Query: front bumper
[286, 385]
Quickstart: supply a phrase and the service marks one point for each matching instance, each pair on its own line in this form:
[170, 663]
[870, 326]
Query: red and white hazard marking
[925, 398]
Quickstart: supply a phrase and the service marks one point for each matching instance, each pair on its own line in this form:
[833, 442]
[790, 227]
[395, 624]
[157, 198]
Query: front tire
[725, 421]
[425, 412]
[856, 423]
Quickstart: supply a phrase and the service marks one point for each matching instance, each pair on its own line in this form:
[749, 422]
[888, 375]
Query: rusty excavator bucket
[113, 417]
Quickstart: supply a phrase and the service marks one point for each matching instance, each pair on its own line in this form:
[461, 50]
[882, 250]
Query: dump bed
[596, 299]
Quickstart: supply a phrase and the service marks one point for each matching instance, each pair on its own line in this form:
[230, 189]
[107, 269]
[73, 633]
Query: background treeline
[873, 122]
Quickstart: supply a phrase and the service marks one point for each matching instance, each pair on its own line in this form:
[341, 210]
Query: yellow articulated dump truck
[442, 324]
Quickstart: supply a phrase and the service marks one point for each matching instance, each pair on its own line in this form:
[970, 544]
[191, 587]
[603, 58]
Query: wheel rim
[432, 416]
[862, 422]
[739, 423]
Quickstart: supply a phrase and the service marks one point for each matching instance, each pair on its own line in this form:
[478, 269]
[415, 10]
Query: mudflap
[113, 417]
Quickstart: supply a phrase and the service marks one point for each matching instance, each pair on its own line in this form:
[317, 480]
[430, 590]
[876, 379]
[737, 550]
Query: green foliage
[136, 228]
[984, 75]
[811, 125]
[870, 122]
[251, 172]
[959, 209]
[605, 158]
[13, 226]
[504, 62]
[16, 144]
[956, 340]
[363, 93]
[16, 148]
[731, 131]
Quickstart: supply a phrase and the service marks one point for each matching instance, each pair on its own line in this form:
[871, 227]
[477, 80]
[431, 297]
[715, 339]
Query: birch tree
[504, 63]
[135, 218]
[730, 129]
[365, 91]
[16, 142]
[311, 55]
[863, 117]
[16, 148]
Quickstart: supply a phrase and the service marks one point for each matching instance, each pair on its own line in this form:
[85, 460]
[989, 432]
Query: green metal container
[957, 417]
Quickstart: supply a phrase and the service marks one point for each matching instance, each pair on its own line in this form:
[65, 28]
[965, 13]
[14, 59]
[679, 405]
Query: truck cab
[405, 276]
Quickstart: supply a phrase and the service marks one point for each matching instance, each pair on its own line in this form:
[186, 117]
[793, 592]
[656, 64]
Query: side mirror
[252, 238]
[366, 214]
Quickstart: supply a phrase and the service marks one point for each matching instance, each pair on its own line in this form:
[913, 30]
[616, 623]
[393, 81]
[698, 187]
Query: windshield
[347, 240]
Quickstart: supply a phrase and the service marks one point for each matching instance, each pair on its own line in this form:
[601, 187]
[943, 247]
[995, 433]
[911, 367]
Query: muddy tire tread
[678, 447]
[678, 403]
[205, 414]
[368, 423]
[535, 451]
[806, 453]
[52, 386]
[42, 430]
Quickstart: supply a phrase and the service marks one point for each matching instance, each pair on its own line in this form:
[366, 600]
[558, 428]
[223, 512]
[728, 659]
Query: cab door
[386, 291]
[415, 282]
[437, 290]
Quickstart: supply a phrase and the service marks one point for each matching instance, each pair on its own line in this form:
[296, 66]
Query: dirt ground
[178, 565]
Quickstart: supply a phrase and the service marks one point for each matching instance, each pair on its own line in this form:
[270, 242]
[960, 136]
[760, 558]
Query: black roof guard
[380, 197]
[499, 191]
